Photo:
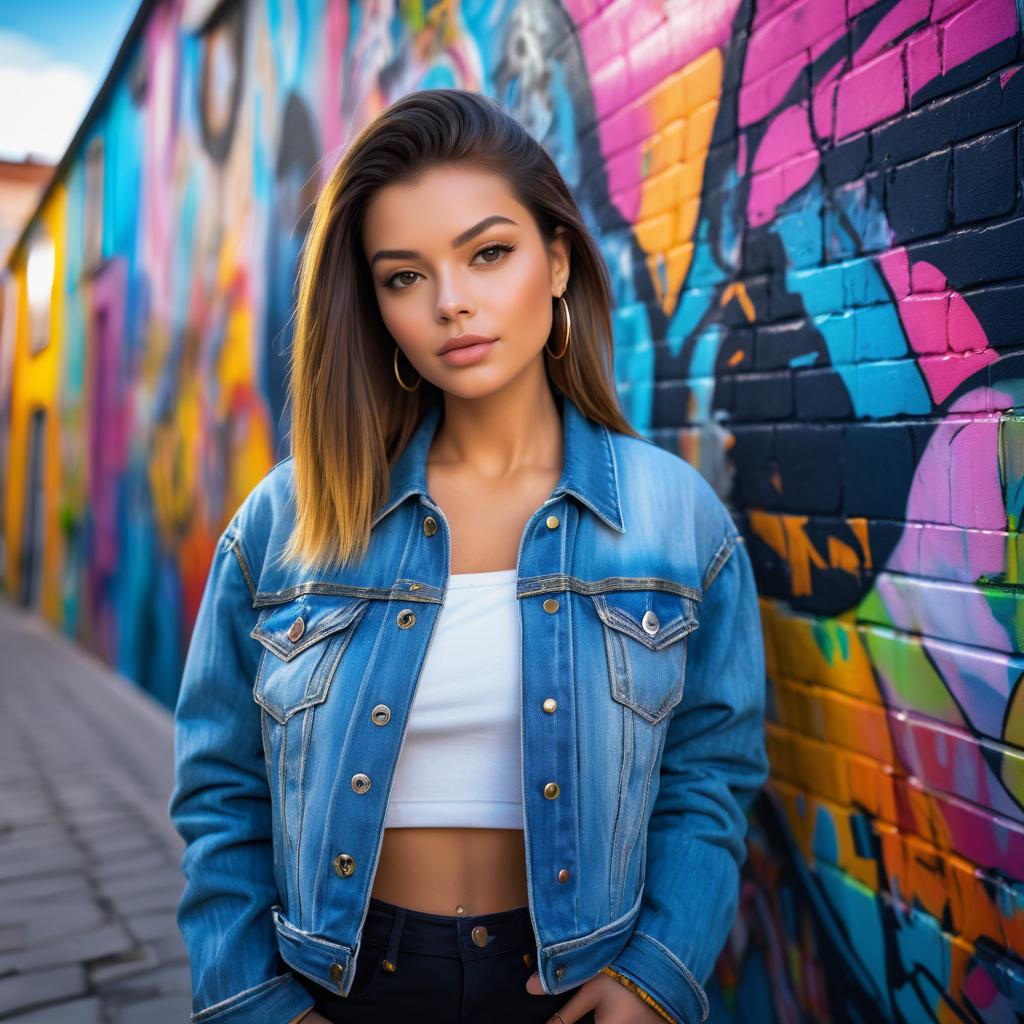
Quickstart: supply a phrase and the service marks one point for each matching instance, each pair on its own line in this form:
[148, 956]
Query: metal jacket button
[563, 875]
[551, 605]
[479, 934]
[559, 971]
[381, 714]
[550, 704]
[551, 790]
[337, 973]
[430, 526]
[298, 627]
[650, 622]
[405, 618]
[345, 864]
[360, 782]
[552, 522]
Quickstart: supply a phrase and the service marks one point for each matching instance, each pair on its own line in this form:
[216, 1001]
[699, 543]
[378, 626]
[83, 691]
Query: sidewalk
[89, 862]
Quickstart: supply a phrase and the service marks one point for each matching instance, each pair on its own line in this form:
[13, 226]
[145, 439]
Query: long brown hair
[350, 418]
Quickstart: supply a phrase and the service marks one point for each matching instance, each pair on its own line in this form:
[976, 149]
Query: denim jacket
[642, 728]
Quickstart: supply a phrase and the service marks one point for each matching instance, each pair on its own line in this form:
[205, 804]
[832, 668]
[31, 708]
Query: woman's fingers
[574, 1008]
[581, 1003]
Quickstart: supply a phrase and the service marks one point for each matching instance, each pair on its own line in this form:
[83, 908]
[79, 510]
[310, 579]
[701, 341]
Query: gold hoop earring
[399, 376]
[568, 331]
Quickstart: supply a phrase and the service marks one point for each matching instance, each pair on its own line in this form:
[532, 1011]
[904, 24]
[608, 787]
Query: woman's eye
[498, 249]
[390, 282]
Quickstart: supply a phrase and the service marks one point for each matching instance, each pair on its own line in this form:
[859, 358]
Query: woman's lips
[468, 353]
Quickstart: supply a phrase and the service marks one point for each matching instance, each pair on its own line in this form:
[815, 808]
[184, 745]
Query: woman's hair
[350, 417]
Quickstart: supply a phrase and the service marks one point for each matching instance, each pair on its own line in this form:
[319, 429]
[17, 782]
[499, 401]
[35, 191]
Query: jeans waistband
[468, 937]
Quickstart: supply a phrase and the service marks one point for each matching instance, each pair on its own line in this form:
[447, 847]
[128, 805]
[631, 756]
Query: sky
[54, 55]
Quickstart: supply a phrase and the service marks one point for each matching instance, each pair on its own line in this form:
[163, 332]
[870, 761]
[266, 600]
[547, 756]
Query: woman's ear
[559, 259]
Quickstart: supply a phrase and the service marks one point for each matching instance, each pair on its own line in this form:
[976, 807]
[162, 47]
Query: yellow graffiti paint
[683, 111]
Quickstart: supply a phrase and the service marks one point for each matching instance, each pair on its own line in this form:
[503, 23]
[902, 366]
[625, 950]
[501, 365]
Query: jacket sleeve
[713, 764]
[220, 805]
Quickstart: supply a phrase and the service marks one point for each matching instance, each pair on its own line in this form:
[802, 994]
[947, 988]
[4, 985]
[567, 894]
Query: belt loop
[391, 956]
[522, 915]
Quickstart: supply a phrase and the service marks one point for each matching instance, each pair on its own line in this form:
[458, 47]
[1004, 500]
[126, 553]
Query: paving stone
[90, 865]
[14, 894]
[168, 979]
[60, 918]
[156, 925]
[89, 945]
[140, 959]
[80, 1011]
[131, 866]
[128, 885]
[165, 1010]
[170, 948]
[37, 988]
[162, 897]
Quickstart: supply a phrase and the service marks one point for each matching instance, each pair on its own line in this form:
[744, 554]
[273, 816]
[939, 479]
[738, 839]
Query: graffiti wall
[811, 211]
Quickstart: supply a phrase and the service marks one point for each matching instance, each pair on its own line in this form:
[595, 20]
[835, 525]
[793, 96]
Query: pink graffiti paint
[871, 94]
[965, 331]
[759, 98]
[976, 28]
[923, 60]
[606, 34]
[823, 103]
[892, 26]
[789, 155]
[792, 31]
[788, 135]
[921, 316]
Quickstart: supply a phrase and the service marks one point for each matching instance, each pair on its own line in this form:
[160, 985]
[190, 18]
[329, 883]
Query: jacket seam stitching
[720, 557]
[236, 547]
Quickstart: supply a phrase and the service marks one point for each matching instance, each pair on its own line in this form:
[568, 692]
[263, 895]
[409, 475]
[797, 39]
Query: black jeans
[442, 974]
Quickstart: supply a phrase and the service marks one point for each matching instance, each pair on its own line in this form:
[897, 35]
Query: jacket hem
[275, 1001]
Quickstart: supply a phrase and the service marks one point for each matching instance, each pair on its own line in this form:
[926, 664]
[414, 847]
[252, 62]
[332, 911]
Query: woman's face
[454, 254]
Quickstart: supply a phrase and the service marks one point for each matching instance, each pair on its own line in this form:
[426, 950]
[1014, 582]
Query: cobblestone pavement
[89, 862]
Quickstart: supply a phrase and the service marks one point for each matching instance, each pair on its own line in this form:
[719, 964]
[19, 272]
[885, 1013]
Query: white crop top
[460, 764]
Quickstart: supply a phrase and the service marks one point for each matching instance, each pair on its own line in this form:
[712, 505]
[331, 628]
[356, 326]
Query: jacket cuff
[275, 1001]
[644, 995]
[668, 981]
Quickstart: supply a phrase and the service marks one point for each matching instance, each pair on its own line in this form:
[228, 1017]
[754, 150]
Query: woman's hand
[611, 1002]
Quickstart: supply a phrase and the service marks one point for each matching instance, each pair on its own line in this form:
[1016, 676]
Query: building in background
[21, 184]
[812, 216]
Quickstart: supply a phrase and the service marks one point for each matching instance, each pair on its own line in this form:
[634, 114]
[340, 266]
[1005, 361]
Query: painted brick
[870, 94]
[917, 196]
[985, 177]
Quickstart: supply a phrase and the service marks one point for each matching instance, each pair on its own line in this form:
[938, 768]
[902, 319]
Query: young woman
[473, 706]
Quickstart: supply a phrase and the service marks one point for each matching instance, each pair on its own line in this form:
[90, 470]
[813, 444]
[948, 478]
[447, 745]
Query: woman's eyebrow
[460, 239]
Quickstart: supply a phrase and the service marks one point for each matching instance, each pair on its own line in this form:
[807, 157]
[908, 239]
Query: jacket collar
[589, 471]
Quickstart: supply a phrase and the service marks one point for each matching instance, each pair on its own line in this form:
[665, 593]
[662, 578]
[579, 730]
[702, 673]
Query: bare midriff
[440, 870]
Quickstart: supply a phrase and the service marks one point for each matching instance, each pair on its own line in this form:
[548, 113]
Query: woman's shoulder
[658, 487]
[266, 512]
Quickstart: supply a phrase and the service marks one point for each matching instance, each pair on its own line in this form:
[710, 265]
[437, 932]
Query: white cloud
[44, 99]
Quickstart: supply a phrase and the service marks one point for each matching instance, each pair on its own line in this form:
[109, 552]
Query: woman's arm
[713, 763]
[221, 807]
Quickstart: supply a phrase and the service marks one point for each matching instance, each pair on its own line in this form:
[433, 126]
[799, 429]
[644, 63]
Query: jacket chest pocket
[304, 640]
[645, 639]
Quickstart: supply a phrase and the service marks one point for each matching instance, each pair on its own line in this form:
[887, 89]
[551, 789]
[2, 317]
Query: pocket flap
[656, 618]
[308, 619]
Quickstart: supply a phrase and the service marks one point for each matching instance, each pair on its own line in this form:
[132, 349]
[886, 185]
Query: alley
[89, 862]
